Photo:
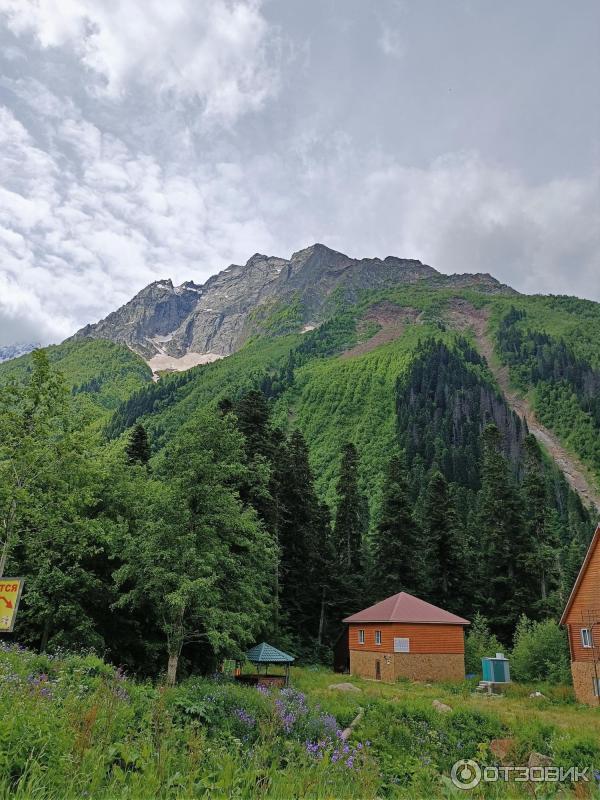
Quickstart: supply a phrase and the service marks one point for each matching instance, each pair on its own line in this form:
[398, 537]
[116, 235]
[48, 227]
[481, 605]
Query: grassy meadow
[75, 727]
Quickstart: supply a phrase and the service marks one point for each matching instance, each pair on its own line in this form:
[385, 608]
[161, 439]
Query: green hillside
[385, 449]
[99, 373]
[335, 398]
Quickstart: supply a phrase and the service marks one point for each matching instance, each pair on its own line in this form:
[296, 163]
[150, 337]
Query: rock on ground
[501, 748]
[539, 760]
[345, 687]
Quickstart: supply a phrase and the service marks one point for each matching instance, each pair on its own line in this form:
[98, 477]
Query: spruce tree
[306, 558]
[138, 447]
[444, 546]
[504, 581]
[351, 523]
[262, 446]
[398, 563]
[351, 514]
[543, 557]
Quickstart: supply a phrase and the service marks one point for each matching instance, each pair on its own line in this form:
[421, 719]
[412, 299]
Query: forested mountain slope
[100, 374]
[381, 449]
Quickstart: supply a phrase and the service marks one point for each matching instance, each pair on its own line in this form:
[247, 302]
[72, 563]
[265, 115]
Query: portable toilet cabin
[495, 670]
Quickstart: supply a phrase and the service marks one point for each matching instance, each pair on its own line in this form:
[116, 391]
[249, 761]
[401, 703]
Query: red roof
[404, 607]
[582, 571]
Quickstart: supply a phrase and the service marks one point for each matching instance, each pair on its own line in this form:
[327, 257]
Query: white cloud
[221, 52]
[459, 214]
[78, 238]
[390, 42]
[111, 176]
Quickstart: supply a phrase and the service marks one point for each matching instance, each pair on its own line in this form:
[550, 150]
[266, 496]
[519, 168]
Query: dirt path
[464, 316]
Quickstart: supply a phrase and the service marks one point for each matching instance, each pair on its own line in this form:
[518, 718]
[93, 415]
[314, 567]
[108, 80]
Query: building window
[377, 637]
[586, 637]
[361, 637]
[596, 686]
[401, 645]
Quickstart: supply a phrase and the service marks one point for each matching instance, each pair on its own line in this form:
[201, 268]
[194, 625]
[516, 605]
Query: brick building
[404, 636]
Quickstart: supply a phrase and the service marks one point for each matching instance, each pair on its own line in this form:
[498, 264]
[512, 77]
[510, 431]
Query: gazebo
[264, 654]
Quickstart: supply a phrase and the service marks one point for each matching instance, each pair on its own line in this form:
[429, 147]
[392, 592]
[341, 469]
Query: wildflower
[121, 694]
[245, 717]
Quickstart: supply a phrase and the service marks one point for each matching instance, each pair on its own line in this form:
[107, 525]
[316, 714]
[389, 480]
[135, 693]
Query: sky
[144, 139]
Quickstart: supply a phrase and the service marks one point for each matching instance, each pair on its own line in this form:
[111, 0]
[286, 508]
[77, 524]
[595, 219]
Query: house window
[377, 637]
[586, 637]
[361, 637]
[401, 645]
[596, 686]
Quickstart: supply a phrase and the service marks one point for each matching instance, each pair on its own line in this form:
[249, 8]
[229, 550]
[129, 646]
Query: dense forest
[170, 525]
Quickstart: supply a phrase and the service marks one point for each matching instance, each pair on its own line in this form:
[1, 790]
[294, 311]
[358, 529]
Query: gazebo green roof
[264, 653]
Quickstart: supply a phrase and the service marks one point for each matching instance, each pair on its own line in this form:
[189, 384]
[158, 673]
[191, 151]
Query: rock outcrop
[216, 317]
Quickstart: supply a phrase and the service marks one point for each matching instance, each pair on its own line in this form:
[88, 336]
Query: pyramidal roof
[264, 653]
[404, 607]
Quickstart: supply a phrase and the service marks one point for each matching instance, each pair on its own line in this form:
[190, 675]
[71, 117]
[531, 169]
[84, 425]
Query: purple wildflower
[245, 717]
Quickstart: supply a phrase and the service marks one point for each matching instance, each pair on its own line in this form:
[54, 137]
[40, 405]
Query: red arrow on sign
[8, 602]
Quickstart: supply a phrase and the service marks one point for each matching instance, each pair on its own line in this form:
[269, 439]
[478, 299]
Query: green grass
[74, 727]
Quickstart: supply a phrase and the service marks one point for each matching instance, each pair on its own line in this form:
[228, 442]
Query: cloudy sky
[142, 139]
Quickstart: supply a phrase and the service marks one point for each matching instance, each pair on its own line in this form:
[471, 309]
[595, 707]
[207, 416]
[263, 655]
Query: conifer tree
[543, 559]
[505, 584]
[138, 447]
[253, 415]
[351, 523]
[444, 546]
[262, 446]
[398, 563]
[306, 557]
[351, 514]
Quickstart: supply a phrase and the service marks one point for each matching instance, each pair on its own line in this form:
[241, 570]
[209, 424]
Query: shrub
[540, 652]
[480, 642]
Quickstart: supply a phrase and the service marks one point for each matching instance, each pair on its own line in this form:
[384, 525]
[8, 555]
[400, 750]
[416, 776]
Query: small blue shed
[496, 670]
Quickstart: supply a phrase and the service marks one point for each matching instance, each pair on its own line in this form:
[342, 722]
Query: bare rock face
[215, 318]
[146, 323]
[10, 351]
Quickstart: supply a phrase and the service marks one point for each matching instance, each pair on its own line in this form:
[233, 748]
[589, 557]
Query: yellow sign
[10, 594]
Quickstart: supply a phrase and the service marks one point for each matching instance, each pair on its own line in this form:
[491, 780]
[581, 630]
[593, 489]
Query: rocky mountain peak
[195, 322]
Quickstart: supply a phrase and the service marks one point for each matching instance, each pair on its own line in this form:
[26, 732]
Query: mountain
[345, 392]
[176, 327]
[10, 351]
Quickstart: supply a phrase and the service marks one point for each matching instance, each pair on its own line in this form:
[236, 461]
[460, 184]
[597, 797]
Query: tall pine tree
[138, 447]
[444, 546]
[306, 555]
[541, 524]
[398, 563]
[504, 582]
[351, 523]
